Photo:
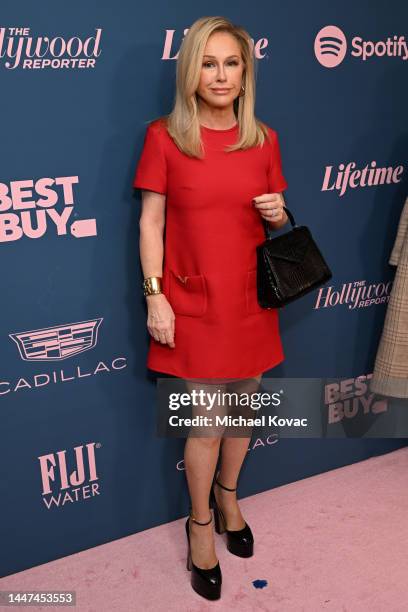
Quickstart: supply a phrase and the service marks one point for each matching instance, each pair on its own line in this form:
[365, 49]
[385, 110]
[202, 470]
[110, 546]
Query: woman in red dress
[209, 172]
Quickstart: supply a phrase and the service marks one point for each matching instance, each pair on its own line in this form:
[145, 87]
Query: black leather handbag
[288, 266]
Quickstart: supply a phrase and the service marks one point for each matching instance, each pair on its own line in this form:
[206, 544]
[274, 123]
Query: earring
[242, 90]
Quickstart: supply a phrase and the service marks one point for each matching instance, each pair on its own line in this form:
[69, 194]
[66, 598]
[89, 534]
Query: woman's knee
[205, 439]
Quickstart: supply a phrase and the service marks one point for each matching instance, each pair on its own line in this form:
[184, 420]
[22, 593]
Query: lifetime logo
[330, 47]
[169, 53]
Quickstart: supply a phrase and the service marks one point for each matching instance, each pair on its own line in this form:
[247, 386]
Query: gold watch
[152, 285]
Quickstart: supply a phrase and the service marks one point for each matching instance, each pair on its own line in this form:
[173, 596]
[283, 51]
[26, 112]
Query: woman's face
[222, 69]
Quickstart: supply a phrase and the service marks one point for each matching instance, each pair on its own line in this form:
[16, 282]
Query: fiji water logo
[330, 47]
[57, 342]
[20, 49]
[30, 208]
[69, 479]
[349, 397]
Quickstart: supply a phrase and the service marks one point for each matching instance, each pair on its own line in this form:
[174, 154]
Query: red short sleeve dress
[209, 265]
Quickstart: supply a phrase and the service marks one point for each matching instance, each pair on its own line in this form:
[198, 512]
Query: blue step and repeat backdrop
[81, 463]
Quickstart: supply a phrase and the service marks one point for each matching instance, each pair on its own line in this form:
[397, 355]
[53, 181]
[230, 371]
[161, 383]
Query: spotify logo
[330, 46]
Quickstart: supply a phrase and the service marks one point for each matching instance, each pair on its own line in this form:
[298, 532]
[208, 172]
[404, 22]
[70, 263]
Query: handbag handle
[269, 230]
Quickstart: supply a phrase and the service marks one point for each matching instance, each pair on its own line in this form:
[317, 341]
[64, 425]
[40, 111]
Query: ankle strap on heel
[198, 523]
[222, 486]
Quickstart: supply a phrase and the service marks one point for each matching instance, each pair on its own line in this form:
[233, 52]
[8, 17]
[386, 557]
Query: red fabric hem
[205, 375]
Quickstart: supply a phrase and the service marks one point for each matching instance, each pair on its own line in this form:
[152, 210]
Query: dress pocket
[251, 292]
[188, 294]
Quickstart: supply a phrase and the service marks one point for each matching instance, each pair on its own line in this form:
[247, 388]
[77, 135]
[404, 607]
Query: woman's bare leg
[233, 453]
[200, 459]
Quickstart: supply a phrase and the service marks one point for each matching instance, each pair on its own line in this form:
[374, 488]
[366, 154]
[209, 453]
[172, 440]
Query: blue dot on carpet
[260, 584]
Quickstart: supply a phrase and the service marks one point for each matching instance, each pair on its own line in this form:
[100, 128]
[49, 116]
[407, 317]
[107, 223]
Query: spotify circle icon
[330, 46]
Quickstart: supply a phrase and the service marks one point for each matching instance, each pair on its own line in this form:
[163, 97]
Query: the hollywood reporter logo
[20, 49]
[330, 47]
[24, 213]
[355, 294]
[60, 485]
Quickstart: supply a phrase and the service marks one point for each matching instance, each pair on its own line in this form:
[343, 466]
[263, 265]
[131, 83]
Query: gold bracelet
[152, 285]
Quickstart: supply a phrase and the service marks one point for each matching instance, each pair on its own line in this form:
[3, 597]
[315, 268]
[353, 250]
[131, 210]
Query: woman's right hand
[160, 319]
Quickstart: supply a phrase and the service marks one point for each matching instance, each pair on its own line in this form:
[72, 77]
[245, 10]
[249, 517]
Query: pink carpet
[337, 541]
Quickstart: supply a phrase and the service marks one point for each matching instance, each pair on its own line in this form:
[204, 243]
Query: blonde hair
[182, 122]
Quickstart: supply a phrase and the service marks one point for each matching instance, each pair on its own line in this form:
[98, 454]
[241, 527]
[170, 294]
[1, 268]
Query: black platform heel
[239, 542]
[205, 582]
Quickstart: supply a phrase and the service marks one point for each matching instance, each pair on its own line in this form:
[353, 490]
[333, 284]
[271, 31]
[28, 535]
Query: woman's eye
[233, 62]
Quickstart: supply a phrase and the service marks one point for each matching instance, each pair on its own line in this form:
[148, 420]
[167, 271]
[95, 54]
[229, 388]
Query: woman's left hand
[270, 206]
